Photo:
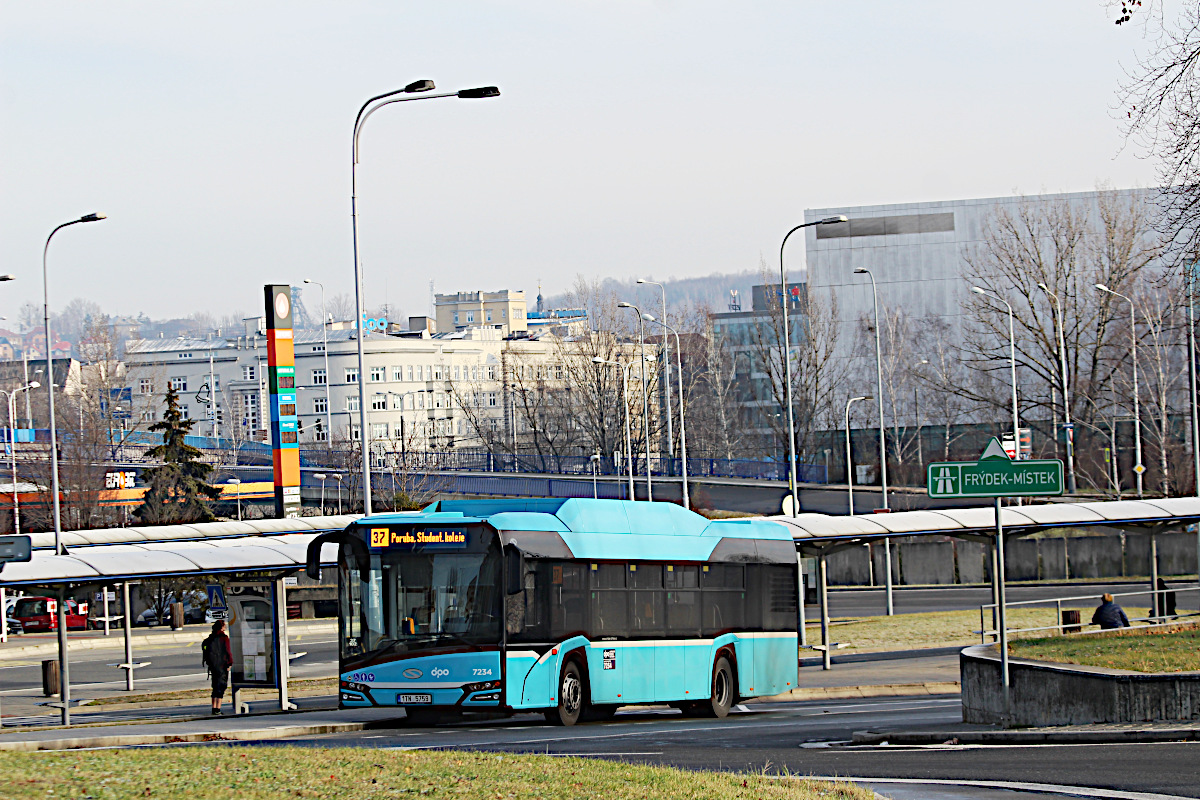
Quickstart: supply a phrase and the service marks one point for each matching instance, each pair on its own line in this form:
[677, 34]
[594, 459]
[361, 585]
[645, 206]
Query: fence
[1160, 599]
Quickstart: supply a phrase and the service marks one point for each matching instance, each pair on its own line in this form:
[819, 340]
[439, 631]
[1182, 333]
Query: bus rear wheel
[721, 698]
[571, 701]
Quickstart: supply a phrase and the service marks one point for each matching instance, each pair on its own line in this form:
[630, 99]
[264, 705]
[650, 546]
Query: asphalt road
[809, 738]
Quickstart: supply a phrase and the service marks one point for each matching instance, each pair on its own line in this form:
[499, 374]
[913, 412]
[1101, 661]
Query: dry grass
[1175, 649]
[363, 774]
[935, 629]
[327, 685]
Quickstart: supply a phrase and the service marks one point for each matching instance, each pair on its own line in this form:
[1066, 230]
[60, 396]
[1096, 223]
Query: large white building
[417, 383]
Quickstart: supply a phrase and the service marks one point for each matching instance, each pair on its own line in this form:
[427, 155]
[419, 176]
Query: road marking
[1015, 746]
[1082, 791]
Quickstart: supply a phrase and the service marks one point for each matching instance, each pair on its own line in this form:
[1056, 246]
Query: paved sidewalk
[1061, 734]
[258, 727]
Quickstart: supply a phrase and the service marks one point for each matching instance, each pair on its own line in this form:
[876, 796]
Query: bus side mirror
[514, 570]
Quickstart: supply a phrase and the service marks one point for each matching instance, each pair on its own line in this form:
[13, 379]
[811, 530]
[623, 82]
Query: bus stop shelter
[268, 550]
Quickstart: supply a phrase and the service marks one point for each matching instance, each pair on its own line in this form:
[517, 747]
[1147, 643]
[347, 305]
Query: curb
[127, 740]
[850, 692]
[1026, 737]
[117, 642]
[197, 701]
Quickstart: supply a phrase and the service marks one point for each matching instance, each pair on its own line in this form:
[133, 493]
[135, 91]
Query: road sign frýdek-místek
[995, 475]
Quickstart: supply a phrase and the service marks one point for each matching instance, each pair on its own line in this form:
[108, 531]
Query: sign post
[996, 475]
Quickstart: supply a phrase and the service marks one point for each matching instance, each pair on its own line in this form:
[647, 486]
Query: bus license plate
[413, 699]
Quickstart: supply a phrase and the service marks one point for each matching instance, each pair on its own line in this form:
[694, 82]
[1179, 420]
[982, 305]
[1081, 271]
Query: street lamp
[849, 460]
[787, 357]
[625, 413]
[594, 458]
[887, 543]
[1012, 357]
[321, 476]
[237, 484]
[1062, 356]
[1138, 468]
[368, 108]
[645, 395]
[682, 423]
[64, 667]
[12, 447]
[666, 373]
[325, 350]
[337, 476]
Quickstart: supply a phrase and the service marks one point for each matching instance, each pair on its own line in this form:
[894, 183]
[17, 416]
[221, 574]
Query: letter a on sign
[946, 480]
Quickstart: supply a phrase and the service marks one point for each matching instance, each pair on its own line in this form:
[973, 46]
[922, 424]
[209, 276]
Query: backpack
[208, 653]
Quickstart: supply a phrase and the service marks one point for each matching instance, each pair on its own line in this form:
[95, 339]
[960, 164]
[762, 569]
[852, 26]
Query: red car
[41, 614]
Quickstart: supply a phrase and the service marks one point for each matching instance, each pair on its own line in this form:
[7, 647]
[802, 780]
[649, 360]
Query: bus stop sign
[995, 475]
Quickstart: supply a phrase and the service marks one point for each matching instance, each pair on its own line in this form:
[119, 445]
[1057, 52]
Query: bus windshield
[415, 600]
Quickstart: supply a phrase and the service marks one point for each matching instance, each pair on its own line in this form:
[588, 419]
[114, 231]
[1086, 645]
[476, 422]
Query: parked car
[41, 614]
[192, 613]
[15, 628]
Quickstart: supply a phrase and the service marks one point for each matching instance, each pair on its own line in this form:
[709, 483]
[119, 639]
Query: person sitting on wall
[1109, 615]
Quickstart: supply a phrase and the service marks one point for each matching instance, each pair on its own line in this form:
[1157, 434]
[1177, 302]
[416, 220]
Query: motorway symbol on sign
[995, 475]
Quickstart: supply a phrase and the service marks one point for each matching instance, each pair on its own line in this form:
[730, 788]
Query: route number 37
[379, 537]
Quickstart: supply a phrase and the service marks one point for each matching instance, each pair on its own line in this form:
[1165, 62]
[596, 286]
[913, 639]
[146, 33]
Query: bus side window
[683, 599]
[647, 599]
[723, 598]
[610, 601]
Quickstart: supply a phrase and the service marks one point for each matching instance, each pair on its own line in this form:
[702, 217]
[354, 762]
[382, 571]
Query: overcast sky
[660, 139]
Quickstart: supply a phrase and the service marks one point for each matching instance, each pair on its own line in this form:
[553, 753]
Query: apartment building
[504, 310]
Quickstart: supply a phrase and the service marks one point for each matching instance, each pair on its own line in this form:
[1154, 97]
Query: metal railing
[1151, 621]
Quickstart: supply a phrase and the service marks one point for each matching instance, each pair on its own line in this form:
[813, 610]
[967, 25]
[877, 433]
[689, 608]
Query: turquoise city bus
[570, 608]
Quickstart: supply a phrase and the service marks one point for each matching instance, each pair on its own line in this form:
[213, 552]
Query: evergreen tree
[177, 491]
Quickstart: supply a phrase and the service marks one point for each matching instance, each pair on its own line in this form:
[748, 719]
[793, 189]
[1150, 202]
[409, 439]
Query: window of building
[455, 317]
[489, 315]
[379, 402]
[355, 433]
[379, 430]
[456, 373]
[491, 373]
[248, 372]
[397, 402]
[351, 374]
[491, 398]
[420, 399]
[438, 399]
[470, 316]
[408, 372]
[318, 348]
[183, 409]
[558, 371]
[178, 384]
[146, 386]
[318, 377]
[148, 415]
[185, 355]
[378, 374]
[437, 372]
[397, 374]
[352, 403]
[319, 432]
[320, 405]
[504, 313]
[428, 372]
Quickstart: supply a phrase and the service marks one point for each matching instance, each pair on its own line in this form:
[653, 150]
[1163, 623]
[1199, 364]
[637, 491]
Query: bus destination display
[426, 538]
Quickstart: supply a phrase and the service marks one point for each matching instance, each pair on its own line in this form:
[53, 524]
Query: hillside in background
[682, 293]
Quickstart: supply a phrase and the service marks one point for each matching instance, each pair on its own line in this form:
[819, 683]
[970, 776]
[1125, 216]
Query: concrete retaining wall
[972, 558]
[1058, 694]
[927, 563]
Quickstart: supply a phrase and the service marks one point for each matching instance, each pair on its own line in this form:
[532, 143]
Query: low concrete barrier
[1043, 693]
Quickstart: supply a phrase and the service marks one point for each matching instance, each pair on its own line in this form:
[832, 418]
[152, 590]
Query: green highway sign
[995, 475]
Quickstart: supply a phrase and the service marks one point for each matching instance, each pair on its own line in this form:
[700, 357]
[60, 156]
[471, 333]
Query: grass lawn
[267, 773]
[935, 629]
[1158, 650]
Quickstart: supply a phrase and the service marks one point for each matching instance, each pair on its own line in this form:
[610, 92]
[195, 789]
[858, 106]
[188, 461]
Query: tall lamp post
[237, 490]
[12, 447]
[787, 356]
[325, 350]
[682, 423]
[625, 413]
[1062, 358]
[849, 458]
[1138, 468]
[666, 374]
[368, 108]
[64, 667]
[1012, 358]
[645, 395]
[887, 543]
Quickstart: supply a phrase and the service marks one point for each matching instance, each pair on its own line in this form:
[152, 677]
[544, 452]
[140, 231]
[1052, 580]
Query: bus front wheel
[571, 700]
[722, 696]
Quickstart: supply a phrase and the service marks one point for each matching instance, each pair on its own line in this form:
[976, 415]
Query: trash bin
[1070, 620]
[50, 682]
[176, 616]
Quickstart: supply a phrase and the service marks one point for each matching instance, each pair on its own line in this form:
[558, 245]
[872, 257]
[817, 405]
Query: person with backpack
[218, 658]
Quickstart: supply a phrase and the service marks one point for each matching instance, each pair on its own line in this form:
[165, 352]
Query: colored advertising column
[281, 377]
